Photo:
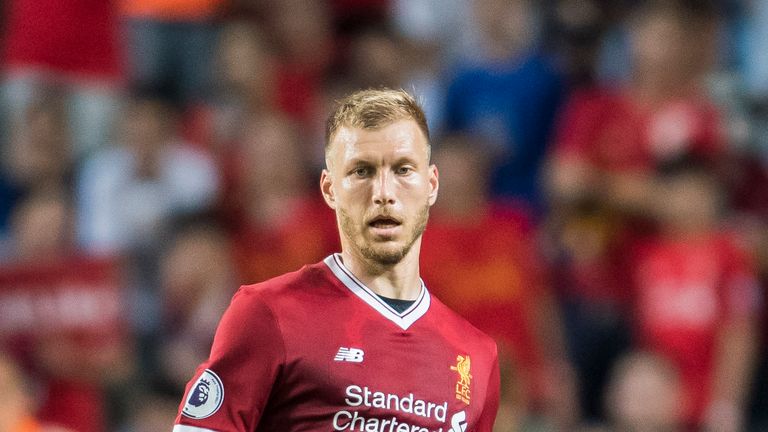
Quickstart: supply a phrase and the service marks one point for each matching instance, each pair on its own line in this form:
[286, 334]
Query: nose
[383, 188]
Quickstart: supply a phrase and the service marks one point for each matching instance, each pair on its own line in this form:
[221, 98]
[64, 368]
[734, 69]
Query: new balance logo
[353, 355]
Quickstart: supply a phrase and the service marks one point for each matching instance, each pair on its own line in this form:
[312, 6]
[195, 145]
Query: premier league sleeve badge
[205, 396]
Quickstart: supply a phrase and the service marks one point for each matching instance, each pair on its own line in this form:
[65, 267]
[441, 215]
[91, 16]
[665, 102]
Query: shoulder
[288, 288]
[267, 307]
[288, 282]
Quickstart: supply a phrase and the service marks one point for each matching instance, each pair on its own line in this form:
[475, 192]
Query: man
[355, 342]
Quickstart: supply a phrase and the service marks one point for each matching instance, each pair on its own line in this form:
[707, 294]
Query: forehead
[400, 138]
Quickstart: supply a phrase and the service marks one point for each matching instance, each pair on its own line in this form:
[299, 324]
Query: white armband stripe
[185, 428]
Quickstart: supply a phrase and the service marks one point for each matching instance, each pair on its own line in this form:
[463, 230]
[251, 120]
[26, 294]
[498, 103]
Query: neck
[397, 281]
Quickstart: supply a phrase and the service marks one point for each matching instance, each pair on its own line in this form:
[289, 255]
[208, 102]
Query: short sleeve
[230, 390]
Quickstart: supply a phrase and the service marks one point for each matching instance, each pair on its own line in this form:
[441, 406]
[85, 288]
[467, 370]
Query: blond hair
[373, 109]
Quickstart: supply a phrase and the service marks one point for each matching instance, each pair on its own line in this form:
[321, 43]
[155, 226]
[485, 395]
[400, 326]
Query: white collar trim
[404, 319]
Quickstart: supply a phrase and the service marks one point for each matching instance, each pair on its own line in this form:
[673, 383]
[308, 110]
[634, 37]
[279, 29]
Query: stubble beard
[382, 256]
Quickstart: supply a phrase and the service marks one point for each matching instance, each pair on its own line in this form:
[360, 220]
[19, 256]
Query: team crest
[465, 378]
[205, 396]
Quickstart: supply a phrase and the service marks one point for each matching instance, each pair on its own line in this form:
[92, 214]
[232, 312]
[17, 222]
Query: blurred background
[603, 210]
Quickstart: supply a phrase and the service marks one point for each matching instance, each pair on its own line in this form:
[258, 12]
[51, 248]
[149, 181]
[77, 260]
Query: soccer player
[355, 342]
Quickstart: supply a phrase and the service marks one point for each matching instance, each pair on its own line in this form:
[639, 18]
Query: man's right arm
[229, 391]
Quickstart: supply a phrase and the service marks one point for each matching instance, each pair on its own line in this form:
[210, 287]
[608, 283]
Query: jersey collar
[403, 319]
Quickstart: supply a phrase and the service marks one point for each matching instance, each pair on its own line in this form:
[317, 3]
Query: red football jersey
[317, 350]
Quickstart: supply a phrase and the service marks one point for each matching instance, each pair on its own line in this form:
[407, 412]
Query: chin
[387, 255]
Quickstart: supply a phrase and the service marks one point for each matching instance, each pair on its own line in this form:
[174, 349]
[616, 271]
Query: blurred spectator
[507, 94]
[427, 29]
[433, 23]
[644, 395]
[280, 223]
[127, 193]
[66, 306]
[479, 257]
[198, 282]
[42, 228]
[72, 47]
[127, 196]
[303, 35]
[376, 59]
[601, 173]
[17, 414]
[697, 299]
[380, 57]
[246, 78]
[170, 46]
[610, 139]
[579, 32]
[38, 156]
[585, 249]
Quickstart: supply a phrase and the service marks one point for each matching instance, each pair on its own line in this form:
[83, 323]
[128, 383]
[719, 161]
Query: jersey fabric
[317, 350]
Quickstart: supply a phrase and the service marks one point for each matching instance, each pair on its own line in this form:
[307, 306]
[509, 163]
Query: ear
[434, 183]
[326, 187]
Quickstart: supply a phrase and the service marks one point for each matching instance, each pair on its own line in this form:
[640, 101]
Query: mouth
[384, 225]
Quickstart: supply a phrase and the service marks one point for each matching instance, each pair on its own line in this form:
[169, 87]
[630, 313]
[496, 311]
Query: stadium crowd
[603, 210]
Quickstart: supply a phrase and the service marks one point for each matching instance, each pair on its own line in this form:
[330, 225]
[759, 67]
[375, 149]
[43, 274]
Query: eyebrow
[402, 160]
[405, 160]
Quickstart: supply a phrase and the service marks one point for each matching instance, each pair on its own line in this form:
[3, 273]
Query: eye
[361, 171]
[404, 170]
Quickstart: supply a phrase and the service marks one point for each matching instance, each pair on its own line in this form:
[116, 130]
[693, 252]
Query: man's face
[381, 185]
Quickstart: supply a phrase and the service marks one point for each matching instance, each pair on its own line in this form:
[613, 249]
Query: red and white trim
[403, 320]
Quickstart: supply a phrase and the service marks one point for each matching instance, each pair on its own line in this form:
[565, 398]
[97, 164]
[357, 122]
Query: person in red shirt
[355, 342]
[279, 224]
[61, 315]
[610, 139]
[697, 298]
[600, 174]
[473, 241]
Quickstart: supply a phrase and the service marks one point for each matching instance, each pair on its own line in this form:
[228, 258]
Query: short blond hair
[373, 109]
